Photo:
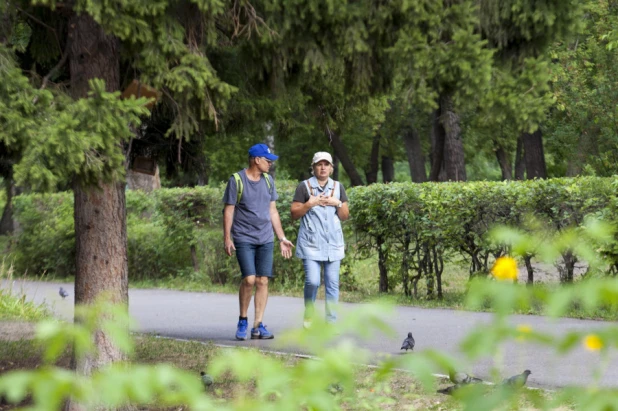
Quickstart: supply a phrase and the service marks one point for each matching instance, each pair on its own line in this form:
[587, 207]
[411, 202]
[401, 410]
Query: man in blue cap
[249, 218]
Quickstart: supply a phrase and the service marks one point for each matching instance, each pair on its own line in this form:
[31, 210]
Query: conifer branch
[56, 68]
[47, 26]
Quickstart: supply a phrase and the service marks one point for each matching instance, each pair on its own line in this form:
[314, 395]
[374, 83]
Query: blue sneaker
[261, 332]
[241, 330]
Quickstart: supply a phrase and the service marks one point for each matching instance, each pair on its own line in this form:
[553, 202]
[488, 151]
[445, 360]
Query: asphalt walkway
[213, 317]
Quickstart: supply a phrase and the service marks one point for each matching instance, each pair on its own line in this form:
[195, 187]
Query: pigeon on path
[518, 380]
[449, 390]
[207, 380]
[408, 343]
[63, 293]
[462, 378]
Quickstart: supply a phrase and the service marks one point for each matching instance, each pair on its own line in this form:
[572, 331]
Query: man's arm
[228, 218]
[285, 244]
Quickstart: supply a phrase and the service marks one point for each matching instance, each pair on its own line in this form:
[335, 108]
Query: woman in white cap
[322, 204]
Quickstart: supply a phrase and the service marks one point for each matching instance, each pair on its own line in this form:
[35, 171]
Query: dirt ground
[16, 330]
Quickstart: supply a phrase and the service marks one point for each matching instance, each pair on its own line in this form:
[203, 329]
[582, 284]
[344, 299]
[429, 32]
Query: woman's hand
[313, 201]
[328, 201]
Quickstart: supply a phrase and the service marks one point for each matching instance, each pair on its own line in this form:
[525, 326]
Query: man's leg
[261, 297]
[245, 253]
[264, 269]
[244, 294]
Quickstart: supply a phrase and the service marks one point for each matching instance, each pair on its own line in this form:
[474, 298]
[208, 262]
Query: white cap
[322, 155]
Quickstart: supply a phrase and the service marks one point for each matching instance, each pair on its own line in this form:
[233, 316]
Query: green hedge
[413, 228]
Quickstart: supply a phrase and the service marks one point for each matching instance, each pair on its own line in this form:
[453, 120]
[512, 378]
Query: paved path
[213, 317]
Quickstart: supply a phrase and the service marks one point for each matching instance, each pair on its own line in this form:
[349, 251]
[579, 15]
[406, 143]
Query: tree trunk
[520, 166]
[414, 152]
[578, 159]
[437, 149]
[505, 163]
[203, 170]
[405, 277]
[6, 224]
[382, 255]
[342, 153]
[388, 169]
[454, 159]
[100, 212]
[534, 156]
[529, 269]
[335, 175]
[372, 173]
[194, 260]
[566, 271]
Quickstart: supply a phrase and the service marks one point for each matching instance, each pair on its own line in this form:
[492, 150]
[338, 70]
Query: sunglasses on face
[270, 162]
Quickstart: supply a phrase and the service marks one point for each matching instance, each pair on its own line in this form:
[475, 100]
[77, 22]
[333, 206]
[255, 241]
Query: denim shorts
[255, 259]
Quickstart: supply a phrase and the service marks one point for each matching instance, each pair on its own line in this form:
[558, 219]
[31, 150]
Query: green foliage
[153, 254]
[46, 242]
[582, 127]
[422, 225]
[13, 304]
[19, 115]
[83, 141]
[328, 382]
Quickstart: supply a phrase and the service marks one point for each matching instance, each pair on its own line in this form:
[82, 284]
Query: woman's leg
[331, 286]
[312, 283]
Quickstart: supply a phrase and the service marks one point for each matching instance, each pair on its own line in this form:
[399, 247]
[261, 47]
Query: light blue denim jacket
[320, 237]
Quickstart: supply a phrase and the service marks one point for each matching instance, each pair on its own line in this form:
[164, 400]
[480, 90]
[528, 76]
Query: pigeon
[462, 378]
[207, 380]
[63, 293]
[518, 380]
[449, 390]
[408, 343]
[335, 388]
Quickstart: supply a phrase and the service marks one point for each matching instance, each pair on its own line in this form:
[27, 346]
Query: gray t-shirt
[252, 222]
[301, 195]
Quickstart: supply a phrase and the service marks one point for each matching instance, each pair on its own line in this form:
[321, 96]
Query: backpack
[240, 187]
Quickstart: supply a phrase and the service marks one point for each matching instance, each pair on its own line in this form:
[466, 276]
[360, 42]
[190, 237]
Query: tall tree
[447, 76]
[521, 31]
[84, 141]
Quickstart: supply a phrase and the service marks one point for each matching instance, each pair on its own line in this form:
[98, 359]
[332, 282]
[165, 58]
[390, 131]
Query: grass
[400, 391]
[363, 288]
[13, 305]
[358, 285]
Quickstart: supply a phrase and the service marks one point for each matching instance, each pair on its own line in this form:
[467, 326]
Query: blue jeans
[331, 286]
[255, 259]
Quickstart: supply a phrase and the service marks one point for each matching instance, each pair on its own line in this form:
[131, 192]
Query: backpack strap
[239, 187]
[267, 177]
[332, 192]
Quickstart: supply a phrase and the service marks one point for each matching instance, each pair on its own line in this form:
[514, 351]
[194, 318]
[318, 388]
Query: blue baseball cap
[262, 150]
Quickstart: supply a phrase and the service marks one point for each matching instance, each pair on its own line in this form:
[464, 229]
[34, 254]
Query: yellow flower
[505, 268]
[592, 342]
[523, 329]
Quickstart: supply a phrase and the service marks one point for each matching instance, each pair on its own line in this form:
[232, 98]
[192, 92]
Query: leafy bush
[415, 228]
[45, 243]
[412, 228]
[152, 254]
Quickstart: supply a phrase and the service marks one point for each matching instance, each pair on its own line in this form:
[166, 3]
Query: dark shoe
[261, 333]
[241, 330]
